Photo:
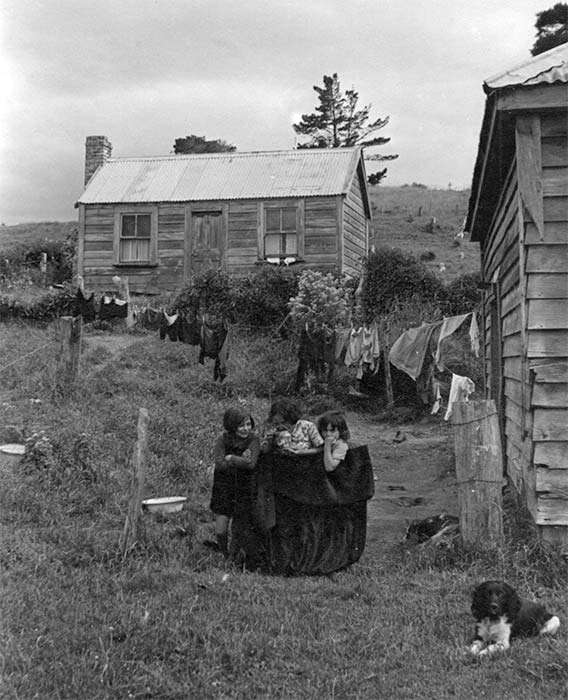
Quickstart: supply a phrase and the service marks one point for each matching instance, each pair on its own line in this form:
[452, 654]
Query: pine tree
[337, 121]
[552, 28]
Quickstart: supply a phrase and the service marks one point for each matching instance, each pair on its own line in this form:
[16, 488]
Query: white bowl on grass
[165, 504]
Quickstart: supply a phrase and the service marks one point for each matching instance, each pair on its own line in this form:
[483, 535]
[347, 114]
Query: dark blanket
[302, 519]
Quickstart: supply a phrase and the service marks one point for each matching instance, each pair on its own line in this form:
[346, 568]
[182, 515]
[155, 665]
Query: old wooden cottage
[518, 212]
[161, 220]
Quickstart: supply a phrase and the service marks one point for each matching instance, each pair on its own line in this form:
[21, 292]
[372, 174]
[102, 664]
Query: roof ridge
[238, 154]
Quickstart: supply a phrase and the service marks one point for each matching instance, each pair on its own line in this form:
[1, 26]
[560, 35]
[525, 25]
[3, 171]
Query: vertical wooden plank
[384, 343]
[81, 241]
[260, 230]
[529, 167]
[133, 523]
[340, 227]
[523, 313]
[479, 472]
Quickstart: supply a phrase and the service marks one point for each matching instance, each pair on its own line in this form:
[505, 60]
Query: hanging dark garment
[306, 520]
[214, 344]
[169, 327]
[189, 328]
[111, 309]
[85, 307]
[316, 353]
[151, 319]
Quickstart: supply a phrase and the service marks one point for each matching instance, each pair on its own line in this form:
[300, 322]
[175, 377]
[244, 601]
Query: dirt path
[414, 478]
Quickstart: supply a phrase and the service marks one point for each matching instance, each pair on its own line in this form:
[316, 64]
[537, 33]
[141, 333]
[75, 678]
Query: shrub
[462, 294]
[23, 258]
[43, 308]
[393, 276]
[261, 299]
[322, 300]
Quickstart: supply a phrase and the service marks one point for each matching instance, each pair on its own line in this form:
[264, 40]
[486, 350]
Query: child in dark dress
[235, 455]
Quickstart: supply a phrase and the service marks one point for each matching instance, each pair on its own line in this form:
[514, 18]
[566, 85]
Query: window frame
[265, 207]
[136, 211]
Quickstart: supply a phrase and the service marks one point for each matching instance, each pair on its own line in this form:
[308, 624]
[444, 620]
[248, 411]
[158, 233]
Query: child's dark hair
[288, 409]
[234, 416]
[337, 420]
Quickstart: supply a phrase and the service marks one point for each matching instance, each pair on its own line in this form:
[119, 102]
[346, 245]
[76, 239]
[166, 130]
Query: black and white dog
[500, 614]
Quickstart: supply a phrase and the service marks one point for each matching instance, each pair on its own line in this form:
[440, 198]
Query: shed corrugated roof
[223, 176]
[548, 67]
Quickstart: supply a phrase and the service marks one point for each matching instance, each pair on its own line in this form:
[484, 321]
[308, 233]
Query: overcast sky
[145, 72]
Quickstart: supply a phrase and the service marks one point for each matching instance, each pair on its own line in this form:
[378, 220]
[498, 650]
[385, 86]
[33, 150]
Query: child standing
[335, 432]
[287, 429]
[235, 455]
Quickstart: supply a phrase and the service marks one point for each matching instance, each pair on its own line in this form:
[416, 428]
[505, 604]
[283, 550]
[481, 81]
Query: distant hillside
[402, 218]
[25, 233]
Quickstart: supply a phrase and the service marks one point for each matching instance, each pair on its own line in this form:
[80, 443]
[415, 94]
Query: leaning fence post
[133, 523]
[43, 268]
[479, 472]
[69, 331]
[384, 343]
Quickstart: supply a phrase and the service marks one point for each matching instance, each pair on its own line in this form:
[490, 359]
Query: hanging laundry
[370, 351]
[150, 318]
[213, 344]
[111, 309]
[409, 350]
[85, 307]
[474, 334]
[353, 354]
[189, 328]
[169, 327]
[449, 327]
[437, 397]
[460, 390]
[341, 343]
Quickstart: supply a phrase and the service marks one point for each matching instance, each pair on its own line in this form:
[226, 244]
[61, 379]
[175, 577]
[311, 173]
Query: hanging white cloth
[460, 390]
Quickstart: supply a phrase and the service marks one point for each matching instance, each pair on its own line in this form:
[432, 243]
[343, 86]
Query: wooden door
[205, 243]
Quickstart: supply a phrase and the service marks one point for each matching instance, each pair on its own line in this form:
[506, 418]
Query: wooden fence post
[43, 268]
[124, 293]
[133, 523]
[69, 331]
[479, 472]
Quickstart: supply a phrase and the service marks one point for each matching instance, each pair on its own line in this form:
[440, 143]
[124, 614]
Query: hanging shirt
[353, 354]
[474, 334]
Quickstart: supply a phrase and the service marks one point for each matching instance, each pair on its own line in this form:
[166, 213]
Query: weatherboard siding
[354, 228]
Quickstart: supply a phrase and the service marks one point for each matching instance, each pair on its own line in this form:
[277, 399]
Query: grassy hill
[402, 218]
[28, 233]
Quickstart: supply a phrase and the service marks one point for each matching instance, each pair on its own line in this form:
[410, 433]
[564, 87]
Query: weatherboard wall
[333, 233]
[525, 263]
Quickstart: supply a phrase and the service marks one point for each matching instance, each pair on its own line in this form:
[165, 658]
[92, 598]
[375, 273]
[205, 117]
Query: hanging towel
[409, 350]
[341, 342]
[474, 334]
[449, 326]
[460, 390]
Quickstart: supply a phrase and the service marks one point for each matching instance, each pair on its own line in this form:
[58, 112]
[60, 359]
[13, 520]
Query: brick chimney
[98, 150]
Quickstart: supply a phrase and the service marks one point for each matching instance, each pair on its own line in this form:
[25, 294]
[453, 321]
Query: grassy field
[402, 219]
[27, 233]
[173, 621]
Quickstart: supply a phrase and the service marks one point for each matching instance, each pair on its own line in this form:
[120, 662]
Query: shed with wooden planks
[518, 212]
[162, 220]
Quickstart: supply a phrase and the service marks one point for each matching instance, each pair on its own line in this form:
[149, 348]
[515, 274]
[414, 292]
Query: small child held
[235, 455]
[287, 430]
[335, 432]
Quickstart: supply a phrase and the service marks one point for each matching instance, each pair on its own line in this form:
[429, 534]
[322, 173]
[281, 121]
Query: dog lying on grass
[500, 615]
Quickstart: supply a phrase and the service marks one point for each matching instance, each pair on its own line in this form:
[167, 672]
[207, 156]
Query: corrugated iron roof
[223, 176]
[548, 67]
